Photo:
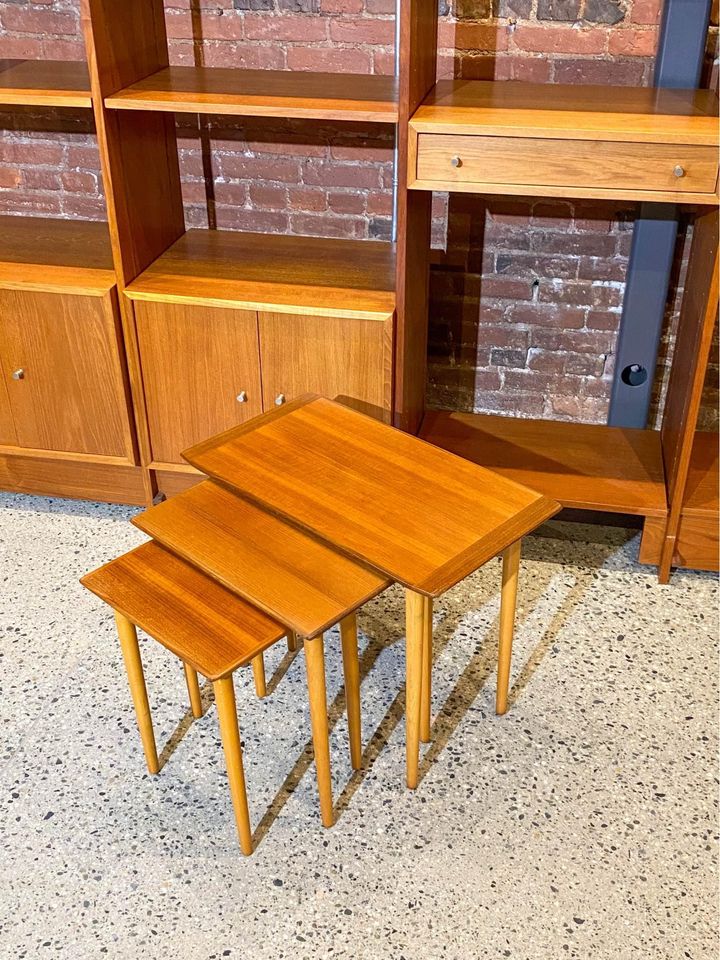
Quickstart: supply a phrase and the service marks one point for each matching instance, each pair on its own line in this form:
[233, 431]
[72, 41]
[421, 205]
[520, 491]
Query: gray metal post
[679, 62]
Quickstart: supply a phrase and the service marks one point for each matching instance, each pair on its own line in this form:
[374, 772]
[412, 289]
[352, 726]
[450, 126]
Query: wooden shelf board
[263, 93]
[38, 253]
[253, 271]
[584, 466]
[702, 490]
[45, 83]
[563, 111]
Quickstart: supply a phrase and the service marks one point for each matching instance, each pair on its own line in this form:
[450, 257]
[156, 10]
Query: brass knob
[18, 374]
[241, 397]
[679, 171]
[279, 399]
[456, 161]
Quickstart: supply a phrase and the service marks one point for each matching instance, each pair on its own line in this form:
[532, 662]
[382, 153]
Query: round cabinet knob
[18, 374]
[241, 397]
[279, 399]
[679, 171]
[456, 161]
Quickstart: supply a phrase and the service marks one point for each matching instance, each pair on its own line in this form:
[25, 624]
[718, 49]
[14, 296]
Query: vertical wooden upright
[417, 56]
[693, 342]
[126, 41]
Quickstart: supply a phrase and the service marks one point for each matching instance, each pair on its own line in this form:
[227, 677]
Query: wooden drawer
[464, 159]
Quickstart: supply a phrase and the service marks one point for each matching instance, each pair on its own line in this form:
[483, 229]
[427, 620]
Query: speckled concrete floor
[579, 825]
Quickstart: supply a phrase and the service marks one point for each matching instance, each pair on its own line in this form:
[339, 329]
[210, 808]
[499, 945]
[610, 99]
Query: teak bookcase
[180, 333]
[564, 141]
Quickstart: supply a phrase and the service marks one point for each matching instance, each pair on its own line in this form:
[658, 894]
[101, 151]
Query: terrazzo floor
[581, 824]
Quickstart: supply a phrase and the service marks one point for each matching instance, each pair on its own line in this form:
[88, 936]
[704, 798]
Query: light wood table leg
[427, 657]
[315, 667]
[292, 641]
[414, 629]
[133, 664]
[230, 734]
[193, 686]
[508, 599]
[351, 671]
[258, 668]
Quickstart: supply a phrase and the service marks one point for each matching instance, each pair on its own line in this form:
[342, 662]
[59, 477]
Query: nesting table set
[310, 511]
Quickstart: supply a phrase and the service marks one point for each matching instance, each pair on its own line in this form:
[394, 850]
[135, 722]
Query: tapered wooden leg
[230, 734]
[351, 671]
[191, 679]
[258, 668]
[427, 656]
[133, 664]
[315, 666]
[510, 568]
[292, 641]
[414, 621]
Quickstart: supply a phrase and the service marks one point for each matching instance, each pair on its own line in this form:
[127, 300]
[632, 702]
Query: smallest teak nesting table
[418, 514]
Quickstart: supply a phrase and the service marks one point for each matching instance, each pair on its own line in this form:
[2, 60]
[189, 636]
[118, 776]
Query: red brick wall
[526, 295]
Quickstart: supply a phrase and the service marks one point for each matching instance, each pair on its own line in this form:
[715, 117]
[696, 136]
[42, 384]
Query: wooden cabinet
[200, 371]
[205, 369]
[63, 388]
[345, 359]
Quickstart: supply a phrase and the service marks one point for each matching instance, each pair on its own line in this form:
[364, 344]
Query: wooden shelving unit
[263, 93]
[65, 425]
[44, 83]
[561, 141]
[221, 325]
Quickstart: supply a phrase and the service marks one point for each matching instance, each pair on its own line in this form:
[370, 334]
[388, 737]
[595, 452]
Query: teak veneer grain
[263, 93]
[411, 510]
[207, 626]
[583, 466]
[569, 112]
[306, 275]
[45, 83]
[51, 255]
[290, 575]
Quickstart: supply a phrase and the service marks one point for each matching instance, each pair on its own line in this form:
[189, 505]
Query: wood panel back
[346, 360]
[196, 362]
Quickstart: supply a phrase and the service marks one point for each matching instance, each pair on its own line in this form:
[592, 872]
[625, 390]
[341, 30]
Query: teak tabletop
[289, 575]
[417, 513]
[207, 626]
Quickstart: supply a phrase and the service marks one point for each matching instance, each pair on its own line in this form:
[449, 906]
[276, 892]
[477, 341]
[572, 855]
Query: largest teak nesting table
[422, 516]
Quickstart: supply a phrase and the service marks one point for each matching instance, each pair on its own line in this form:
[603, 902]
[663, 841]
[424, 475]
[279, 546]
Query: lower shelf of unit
[582, 466]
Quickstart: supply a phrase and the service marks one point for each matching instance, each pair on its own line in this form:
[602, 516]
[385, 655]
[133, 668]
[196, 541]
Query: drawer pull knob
[18, 374]
[679, 171]
[241, 397]
[456, 161]
[279, 399]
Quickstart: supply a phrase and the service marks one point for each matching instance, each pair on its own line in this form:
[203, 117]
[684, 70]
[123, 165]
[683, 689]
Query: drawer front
[573, 163]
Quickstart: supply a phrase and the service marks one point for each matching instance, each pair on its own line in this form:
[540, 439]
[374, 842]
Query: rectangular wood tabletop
[419, 514]
[288, 574]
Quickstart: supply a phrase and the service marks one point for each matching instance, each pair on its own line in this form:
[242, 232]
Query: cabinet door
[62, 373]
[345, 359]
[201, 373]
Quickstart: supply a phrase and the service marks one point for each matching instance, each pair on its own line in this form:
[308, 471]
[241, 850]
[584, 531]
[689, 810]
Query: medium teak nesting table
[411, 511]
